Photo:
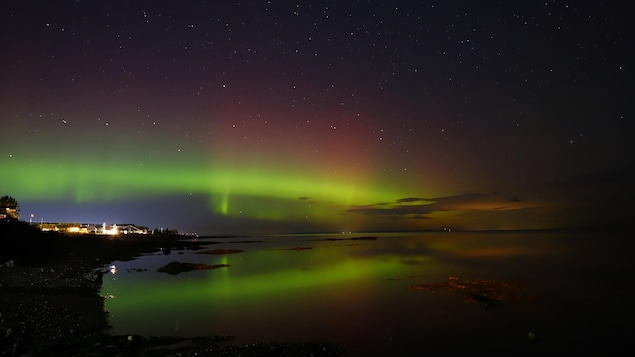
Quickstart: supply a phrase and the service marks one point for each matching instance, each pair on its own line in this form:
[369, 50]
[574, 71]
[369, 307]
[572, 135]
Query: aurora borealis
[279, 116]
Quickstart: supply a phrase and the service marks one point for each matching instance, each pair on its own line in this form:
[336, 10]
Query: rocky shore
[43, 304]
[50, 302]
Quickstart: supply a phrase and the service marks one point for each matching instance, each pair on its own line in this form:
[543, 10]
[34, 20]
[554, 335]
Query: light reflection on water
[359, 292]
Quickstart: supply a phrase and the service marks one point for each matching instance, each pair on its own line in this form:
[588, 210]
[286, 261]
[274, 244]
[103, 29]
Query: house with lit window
[118, 229]
[9, 212]
[89, 228]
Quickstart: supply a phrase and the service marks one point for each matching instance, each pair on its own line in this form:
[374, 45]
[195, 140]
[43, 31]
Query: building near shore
[118, 229]
[9, 213]
[91, 228]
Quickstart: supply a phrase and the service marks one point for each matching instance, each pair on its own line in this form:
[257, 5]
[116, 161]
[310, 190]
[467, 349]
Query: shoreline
[50, 302]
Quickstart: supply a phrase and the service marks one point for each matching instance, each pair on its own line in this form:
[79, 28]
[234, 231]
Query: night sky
[223, 117]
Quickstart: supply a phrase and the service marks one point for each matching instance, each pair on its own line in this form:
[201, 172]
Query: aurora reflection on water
[359, 293]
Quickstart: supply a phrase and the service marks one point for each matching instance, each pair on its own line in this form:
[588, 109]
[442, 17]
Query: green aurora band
[268, 194]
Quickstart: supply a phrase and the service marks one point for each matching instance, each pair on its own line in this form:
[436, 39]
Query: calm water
[360, 292]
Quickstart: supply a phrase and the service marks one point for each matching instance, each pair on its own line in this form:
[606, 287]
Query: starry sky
[223, 117]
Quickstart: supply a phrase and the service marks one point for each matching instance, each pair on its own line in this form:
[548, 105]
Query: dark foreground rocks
[42, 304]
[33, 321]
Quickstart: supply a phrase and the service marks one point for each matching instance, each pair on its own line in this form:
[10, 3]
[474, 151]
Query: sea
[380, 294]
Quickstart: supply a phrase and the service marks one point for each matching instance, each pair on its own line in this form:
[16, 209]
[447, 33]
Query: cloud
[411, 199]
[422, 208]
[383, 209]
[601, 199]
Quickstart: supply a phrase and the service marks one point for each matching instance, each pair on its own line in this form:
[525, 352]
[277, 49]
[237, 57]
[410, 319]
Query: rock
[354, 238]
[10, 263]
[175, 268]
[221, 251]
[490, 292]
[95, 276]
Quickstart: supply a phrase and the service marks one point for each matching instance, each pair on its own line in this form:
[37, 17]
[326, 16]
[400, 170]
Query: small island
[175, 268]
